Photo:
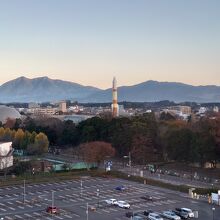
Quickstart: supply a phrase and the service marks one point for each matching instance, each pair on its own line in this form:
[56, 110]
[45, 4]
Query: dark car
[147, 198]
[52, 210]
[146, 213]
[120, 188]
[130, 214]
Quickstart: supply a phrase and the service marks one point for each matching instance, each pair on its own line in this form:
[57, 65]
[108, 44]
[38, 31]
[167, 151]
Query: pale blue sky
[90, 41]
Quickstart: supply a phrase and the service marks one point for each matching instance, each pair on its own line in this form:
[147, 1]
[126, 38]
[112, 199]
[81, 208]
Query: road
[71, 199]
[167, 178]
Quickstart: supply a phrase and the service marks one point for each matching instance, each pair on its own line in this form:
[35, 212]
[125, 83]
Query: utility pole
[129, 156]
[129, 162]
[87, 211]
[98, 196]
[24, 193]
[52, 204]
[81, 185]
[52, 198]
[213, 213]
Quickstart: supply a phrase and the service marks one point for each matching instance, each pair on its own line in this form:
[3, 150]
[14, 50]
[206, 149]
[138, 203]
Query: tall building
[62, 106]
[115, 110]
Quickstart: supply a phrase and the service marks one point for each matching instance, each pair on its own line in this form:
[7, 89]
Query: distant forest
[147, 138]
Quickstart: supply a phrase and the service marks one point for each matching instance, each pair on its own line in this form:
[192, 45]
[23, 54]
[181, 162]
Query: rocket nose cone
[114, 82]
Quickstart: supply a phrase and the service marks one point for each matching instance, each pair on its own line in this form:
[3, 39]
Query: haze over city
[89, 42]
[109, 110]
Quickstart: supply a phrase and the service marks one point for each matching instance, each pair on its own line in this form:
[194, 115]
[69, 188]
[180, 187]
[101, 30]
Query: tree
[96, 152]
[2, 133]
[7, 135]
[10, 123]
[69, 135]
[26, 140]
[142, 149]
[166, 116]
[19, 136]
[178, 144]
[41, 141]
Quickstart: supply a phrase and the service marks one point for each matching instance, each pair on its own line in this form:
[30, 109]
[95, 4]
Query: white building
[43, 111]
[216, 109]
[6, 155]
[33, 105]
[202, 110]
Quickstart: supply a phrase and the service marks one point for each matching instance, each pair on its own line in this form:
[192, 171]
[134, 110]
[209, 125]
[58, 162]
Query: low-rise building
[43, 111]
[6, 155]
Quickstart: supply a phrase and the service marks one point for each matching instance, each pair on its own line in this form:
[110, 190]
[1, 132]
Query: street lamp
[52, 204]
[213, 213]
[98, 196]
[87, 211]
[81, 185]
[24, 193]
[129, 161]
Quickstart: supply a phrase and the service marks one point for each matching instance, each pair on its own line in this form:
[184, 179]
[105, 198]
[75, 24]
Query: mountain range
[44, 89]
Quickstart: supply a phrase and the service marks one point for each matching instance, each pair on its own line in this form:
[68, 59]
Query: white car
[189, 211]
[171, 215]
[123, 204]
[154, 216]
[111, 201]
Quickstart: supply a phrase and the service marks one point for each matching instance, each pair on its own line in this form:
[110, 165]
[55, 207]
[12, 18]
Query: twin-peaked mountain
[44, 89]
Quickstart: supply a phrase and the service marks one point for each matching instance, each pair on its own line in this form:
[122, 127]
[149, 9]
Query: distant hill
[44, 89]
[152, 91]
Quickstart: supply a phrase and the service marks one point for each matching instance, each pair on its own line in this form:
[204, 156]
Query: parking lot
[71, 198]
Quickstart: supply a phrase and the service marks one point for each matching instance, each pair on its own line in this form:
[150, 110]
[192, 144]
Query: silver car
[171, 215]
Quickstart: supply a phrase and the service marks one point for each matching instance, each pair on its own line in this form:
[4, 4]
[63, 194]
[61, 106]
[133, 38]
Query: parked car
[147, 198]
[130, 214]
[146, 213]
[188, 211]
[171, 215]
[180, 213]
[120, 188]
[123, 204]
[111, 201]
[138, 218]
[52, 210]
[92, 208]
[154, 216]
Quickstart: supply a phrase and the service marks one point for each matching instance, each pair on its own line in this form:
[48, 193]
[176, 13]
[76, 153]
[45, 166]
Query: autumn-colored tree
[2, 133]
[142, 149]
[96, 152]
[41, 141]
[10, 123]
[19, 135]
[7, 135]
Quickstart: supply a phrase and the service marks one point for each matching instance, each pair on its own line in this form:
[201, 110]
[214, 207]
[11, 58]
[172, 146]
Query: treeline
[191, 142]
[31, 142]
[145, 137]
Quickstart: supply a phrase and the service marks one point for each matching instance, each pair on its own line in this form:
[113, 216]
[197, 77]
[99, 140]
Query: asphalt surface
[71, 199]
[168, 178]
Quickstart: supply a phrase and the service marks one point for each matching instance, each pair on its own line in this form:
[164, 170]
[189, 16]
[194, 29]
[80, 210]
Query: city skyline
[88, 42]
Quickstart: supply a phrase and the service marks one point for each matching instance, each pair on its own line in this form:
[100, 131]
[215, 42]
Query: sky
[90, 41]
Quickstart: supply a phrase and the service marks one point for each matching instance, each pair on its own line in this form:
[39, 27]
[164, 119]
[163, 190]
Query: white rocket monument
[115, 110]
